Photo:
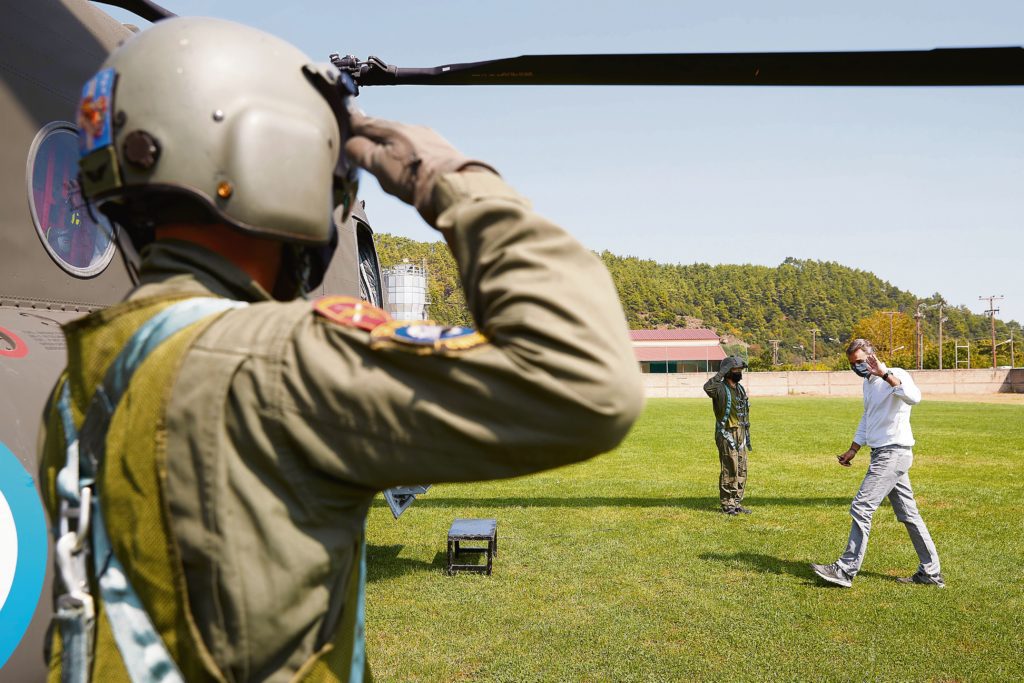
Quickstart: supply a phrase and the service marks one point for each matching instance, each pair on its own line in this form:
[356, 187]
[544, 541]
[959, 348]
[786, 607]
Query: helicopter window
[369, 269]
[80, 245]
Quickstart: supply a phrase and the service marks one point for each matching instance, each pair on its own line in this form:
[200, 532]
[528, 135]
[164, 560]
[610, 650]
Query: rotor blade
[150, 11]
[946, 66]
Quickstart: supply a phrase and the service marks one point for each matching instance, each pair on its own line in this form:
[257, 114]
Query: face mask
[735, 376]
[861, 369]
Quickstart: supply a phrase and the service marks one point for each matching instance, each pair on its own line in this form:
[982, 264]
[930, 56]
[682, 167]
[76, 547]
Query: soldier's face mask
[861, 369]
[735, 375]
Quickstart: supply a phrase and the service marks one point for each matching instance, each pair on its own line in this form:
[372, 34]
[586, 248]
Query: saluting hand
[406, 160]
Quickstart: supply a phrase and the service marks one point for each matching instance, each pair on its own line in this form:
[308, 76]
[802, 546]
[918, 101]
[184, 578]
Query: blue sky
[921, 186]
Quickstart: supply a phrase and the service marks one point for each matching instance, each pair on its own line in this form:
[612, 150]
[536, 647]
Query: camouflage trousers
[733, 479]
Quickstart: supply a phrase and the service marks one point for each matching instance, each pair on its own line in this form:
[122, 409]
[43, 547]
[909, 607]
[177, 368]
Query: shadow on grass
[382, 562]
[777, 565]
[702, 503]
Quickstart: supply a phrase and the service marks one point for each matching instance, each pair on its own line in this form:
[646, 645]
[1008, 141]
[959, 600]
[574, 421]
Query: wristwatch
[886, 375]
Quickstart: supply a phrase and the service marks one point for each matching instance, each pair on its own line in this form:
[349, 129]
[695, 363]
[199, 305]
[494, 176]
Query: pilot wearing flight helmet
[213, 447]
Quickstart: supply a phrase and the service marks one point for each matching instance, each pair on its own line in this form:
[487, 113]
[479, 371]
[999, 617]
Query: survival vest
[131, 622]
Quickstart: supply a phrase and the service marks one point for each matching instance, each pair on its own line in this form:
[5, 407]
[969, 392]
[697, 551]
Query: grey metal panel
[47, 50]
[25, 381]
[47, 54]
[342, 276]
[32, 355]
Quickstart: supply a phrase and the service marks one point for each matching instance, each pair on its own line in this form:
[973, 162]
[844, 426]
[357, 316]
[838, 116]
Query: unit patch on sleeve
[351, 312]
[424, 337]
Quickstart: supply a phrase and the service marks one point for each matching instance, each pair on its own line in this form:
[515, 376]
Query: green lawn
[621, 569]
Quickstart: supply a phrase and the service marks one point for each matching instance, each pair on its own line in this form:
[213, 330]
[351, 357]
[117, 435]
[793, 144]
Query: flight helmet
[731, 363]
[209, 121]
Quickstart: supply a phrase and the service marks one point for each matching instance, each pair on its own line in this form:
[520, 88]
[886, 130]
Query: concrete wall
[975, 381]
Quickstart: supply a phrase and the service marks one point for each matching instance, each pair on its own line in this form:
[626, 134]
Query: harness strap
[142, 650]
[76, 610]
[746, 424]
[725, 416]
[359, 636]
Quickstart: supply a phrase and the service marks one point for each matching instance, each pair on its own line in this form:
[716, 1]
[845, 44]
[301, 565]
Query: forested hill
[751, 305]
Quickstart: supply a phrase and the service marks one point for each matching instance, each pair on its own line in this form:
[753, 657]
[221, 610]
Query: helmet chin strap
[129, 255]
[292, 278]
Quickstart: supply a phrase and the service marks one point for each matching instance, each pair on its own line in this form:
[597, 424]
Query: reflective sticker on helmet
[94, 129]
[424, 337]
[351, 312]
[97, 160]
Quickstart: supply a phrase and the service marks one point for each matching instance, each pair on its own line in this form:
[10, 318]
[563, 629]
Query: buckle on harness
[70, 551]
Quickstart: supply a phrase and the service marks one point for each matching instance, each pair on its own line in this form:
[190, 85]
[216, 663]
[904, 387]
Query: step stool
[472, 530]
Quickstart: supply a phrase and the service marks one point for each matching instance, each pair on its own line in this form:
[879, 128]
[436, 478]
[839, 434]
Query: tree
[892, 335]
[751, 304]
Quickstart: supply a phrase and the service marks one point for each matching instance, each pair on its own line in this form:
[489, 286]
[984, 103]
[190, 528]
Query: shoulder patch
[351, 312]
[425, 337]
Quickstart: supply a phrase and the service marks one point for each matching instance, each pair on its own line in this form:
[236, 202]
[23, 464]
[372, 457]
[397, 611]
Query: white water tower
[407, 291]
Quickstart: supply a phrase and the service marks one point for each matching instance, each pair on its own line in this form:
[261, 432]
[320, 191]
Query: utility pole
[814, 350]
[890, 314]
[942, 319]
[919, 337]
[992, 310]
[775, 350]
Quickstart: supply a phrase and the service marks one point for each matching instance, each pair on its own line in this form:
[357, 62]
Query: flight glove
[406, 160]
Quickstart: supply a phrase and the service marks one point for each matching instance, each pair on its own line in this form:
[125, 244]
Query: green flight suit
[732, 437]
[281, 425]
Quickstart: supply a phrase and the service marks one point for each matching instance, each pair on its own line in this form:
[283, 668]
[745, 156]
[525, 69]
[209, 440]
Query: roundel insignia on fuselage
[425, 337]
[22, 551]
[18, 348]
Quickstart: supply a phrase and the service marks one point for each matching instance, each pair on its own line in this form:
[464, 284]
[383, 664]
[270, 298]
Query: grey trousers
[887, 477]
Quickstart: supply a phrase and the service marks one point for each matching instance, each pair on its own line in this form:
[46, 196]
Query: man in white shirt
[889, 394]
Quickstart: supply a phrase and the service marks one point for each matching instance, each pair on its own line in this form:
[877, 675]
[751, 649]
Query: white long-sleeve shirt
[886, 418]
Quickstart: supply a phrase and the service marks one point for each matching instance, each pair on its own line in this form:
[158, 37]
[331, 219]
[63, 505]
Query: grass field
[621, 568]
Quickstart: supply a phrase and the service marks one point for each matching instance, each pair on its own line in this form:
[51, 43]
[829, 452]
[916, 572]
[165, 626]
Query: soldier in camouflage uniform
[732, 432]
[235, 433]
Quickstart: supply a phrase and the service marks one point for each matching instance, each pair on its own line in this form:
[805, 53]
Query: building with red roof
[678, 350]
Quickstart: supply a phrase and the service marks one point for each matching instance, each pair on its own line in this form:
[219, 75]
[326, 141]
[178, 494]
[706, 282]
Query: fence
[795, 383]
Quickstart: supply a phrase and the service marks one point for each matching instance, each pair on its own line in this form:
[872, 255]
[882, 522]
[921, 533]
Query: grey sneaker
[832, 573]
[924, 579]
[730, 511]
